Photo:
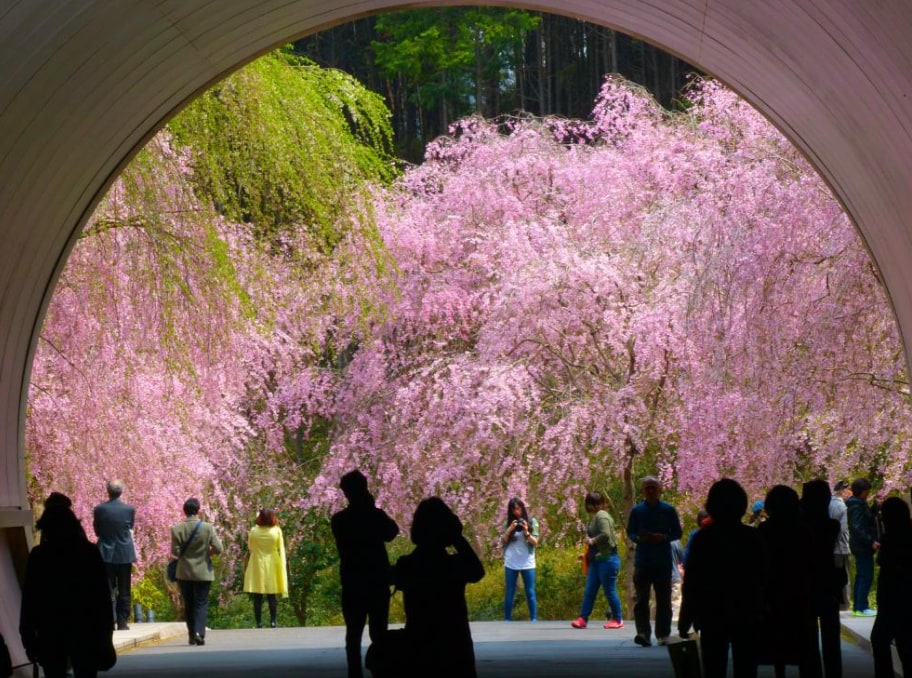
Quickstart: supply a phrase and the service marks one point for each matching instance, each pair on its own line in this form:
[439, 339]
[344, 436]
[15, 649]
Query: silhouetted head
[726, 502]
[115, 488]
[595, 501]
[861, 488]
[267, 518]
[434, 524]
[895, 514]
[782, 503]
[191, 507]
[512, 506]
[354, 485]
[58, 524]
[57, 499]
[815, 498]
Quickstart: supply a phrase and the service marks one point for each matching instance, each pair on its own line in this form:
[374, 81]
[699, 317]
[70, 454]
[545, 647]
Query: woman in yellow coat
[266, 573]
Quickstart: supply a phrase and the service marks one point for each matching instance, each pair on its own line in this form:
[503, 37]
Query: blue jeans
[510, 577]
[864, 578]
[603, 573]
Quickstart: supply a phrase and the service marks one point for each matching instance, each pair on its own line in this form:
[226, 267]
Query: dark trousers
[359, 607]
[258, 607]
[827, 609]
[196, 605]
[864, 579]
[887, 629]
[658, 579]
[119, 575]
[56, 667]
[714, 643]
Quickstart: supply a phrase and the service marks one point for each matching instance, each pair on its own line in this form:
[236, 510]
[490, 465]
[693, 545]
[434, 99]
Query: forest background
[580, 284]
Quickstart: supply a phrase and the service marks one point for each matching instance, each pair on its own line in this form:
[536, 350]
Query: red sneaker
[579, 623]
[614, 624]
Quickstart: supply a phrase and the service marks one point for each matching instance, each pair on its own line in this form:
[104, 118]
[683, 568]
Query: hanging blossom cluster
[640, 292]
[549, 306]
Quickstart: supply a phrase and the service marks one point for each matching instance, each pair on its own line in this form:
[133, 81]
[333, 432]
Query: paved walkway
[508, 650]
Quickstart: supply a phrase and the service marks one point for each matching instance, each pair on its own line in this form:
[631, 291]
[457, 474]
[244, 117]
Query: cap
[757, 506]
[841, 485]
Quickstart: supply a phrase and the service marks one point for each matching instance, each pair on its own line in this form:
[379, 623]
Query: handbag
[171, 570]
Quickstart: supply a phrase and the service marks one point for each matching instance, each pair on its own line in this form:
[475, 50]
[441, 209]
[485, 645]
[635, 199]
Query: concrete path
[508, 650]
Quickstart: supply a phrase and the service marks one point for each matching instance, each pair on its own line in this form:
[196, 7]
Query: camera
[520, 525]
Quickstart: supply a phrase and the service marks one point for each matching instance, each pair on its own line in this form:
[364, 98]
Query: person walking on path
[113, 523]
[725, 583]
[361, 531]
[266, 573]
[193, 543]
[863, 544]
[894, 591]
[66, 603]
[519, 542]
[841, 552]
[652, 526]
[604, 564]
[828, 577]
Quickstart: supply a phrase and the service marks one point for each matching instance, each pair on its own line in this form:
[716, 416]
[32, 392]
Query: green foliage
[284, 143]
[449, 54]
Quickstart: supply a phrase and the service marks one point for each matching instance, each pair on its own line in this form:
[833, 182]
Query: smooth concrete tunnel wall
[85, 83]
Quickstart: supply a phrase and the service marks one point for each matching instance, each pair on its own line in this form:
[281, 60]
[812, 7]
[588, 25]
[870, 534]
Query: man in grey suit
[113, 523]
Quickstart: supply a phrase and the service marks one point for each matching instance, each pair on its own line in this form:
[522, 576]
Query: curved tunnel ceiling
[85, 82]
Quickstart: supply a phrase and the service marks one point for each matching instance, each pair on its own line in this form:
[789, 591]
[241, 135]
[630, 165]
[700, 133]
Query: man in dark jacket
[113, 523]
[862, 543]
[361, 531]
[652, 525]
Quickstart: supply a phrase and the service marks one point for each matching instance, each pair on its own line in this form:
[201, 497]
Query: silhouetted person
[725, 583]
[863, 544]
[193, 543]
[113, 524]
[66, 602]
[791, 629]
[685, 623]
[433, 584]
[828, 577]
[652, 525]
[361, 531]
[894, 591]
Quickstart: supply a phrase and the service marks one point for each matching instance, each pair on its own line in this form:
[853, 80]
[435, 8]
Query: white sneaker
[664, 640]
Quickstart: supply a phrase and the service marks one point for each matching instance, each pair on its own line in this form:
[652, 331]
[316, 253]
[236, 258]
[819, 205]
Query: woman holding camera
[604, 564]
[519, 542]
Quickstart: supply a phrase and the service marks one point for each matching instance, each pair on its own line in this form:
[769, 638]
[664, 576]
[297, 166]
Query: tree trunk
[628, 498]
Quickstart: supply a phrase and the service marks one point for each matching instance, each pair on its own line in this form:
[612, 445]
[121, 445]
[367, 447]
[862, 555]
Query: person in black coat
[791, 631]
[725, 585]
[361, 531]
[829, 578]
[433, 583]
[66, 604]
[894, 591]
[113, 524]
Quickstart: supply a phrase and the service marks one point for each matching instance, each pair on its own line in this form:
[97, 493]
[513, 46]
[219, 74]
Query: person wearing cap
[757, 514]
[361, 531]
[838, 511]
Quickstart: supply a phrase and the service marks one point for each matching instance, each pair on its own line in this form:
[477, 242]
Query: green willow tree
[286, 144]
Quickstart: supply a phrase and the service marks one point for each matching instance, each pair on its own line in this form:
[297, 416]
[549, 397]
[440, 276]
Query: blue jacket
[661, 518]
